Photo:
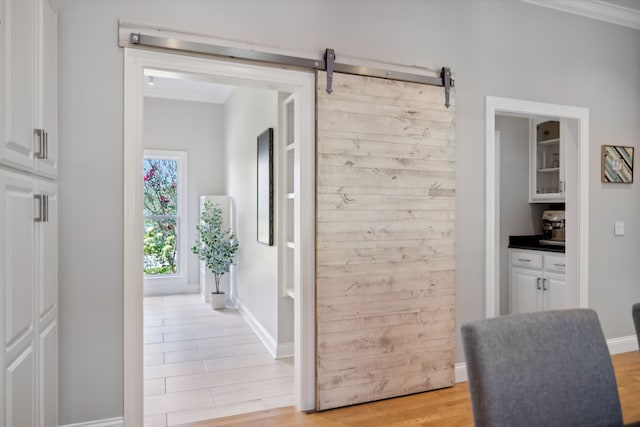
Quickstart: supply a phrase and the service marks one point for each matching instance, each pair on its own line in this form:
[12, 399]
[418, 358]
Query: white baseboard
[460, 371]
[111, 422]
[285, 350]
[267, 339]
[616, 346]
[622, 344]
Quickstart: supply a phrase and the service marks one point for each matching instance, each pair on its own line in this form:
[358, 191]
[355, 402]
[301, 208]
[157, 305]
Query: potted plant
[216, 247]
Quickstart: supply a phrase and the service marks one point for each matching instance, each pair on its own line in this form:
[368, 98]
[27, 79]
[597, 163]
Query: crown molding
[595, 9]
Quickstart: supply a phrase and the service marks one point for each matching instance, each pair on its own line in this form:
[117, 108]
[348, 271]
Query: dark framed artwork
[617, 164]
[265, 187]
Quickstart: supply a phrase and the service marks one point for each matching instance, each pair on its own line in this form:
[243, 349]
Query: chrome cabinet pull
[544, 287]
[524, 260]
[39, 218]
[43, 143]
[45, 209]
[46, 144]
[560, 265]
[538, 283]
[39, 133]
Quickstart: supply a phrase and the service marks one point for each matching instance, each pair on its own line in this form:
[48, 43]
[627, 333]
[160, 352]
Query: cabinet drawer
[526, 260]
[554, 263]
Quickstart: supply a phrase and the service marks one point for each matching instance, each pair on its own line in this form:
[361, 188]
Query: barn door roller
[328, 63]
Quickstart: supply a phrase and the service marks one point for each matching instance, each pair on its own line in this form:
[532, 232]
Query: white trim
[301, 83]
[267, 339]
[285, 350]
[594, 9]
[623, 344]
[461, 373]
[281, 351]
[109, 422]
[616, 346]
[495, 105]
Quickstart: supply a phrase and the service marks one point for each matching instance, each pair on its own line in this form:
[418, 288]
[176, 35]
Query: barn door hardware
[329, 59]
[447, 82]
[328, 64]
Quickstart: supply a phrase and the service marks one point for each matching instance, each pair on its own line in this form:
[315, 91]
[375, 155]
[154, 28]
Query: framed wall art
[265, 187]
[617, 164]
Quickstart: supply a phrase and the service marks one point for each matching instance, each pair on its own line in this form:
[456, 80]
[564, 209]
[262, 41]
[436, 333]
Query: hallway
[201, 363]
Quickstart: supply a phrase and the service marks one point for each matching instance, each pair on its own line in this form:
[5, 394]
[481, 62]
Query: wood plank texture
[385, 256]
[450, 407]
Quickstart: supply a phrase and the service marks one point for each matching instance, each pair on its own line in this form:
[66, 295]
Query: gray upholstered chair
[550, 368]
[635, 312]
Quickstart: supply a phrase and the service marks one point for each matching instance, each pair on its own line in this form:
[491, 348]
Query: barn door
[385, 240]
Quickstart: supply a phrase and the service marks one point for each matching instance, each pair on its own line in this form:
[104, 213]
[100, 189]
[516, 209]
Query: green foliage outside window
[160, 210]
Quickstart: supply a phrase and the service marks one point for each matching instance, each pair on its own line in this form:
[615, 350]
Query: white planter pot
[218, 301]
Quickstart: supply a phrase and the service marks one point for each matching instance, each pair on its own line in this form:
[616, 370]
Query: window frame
[182, 273]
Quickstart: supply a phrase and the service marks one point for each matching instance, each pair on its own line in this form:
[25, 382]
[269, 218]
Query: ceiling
[184, 87]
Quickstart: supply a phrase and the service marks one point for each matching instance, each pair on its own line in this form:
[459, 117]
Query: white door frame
[300, 83]
[576, 241]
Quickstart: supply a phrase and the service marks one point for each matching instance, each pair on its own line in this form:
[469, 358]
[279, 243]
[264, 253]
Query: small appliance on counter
[553, 228]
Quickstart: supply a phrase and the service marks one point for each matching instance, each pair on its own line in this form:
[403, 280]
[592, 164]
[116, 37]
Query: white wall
[248, 112]
[198, 129]
[494, 47]
[517, 216]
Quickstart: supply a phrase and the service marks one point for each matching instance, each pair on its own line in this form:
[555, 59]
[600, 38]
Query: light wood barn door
[385, 240]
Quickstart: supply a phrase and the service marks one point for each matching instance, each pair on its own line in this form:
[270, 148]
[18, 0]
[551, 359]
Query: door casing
[234, 73]
[577, 194]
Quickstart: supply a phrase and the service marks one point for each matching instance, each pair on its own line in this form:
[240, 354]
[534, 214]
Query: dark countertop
[533, 243]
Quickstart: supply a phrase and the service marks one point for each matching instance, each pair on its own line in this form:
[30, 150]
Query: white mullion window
[164, 214]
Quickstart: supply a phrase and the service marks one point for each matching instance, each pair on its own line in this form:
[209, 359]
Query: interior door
[385, 285]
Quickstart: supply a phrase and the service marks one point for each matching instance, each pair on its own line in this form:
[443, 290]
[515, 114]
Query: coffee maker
[553, 227]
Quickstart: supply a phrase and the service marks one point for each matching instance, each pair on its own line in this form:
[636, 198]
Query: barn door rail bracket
[327, 64]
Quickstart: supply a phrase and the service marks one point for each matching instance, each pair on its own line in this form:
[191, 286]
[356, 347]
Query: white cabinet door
[19, 85]
[524, 284]
[18, 296]
[555, 288]
[48, 166]
[47, 303]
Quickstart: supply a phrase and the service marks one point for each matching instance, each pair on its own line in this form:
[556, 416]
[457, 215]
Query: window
[164, 213]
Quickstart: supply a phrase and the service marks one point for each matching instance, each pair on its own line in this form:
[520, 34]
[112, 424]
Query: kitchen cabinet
[29, 292]
[28, 217]
[546, 161]
[28, 53]
[537, 280]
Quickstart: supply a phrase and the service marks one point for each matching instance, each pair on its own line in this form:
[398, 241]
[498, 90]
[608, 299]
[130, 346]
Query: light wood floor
[202, 363]
[443, 408]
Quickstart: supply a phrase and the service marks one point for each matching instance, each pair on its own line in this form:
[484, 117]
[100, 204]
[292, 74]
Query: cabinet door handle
[544, 286]
[45, 208]
[560, 265]
[39, 133]
[39, 218]
[538, 283]
[524, 260]
[46, 144]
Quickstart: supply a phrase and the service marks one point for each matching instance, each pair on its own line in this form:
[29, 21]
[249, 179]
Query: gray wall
[198, 129]
[494, 47]
[517, 215]
[247, 113]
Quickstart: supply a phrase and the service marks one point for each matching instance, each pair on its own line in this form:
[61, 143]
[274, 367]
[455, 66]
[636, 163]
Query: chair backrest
[550, 368]
[635, 312]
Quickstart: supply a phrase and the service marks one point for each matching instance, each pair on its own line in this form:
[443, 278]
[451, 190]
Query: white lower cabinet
[29, 298]
[537, 280]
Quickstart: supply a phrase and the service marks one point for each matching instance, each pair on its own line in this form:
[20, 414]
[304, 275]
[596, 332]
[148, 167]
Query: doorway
[576, 196]
[301, 85]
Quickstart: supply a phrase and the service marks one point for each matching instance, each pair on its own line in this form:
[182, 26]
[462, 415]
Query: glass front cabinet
[546, 161]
